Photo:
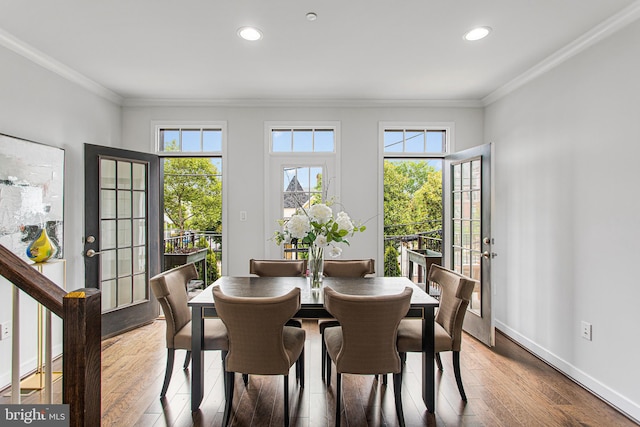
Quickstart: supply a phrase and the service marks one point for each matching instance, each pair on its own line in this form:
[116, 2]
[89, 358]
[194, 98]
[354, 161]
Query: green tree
[396, 200]
[192, 194]
[391, 265]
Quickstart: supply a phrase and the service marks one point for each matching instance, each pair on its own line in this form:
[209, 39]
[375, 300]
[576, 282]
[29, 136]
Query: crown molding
[34, 55]
[284, 103]
[603, 30]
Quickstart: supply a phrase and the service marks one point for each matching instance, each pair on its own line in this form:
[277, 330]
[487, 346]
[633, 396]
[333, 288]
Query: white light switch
[243, 215]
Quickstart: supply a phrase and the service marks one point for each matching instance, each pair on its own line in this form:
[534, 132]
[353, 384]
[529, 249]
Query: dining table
[312, 307]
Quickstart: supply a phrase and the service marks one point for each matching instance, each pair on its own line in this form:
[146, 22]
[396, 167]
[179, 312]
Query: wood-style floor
[505, 386]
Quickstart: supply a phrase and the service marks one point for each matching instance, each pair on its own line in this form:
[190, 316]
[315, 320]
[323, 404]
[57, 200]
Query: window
[302, 140]
[193, 191]
[300, 170]
[412, 193]
[419, 141]
[190, 140]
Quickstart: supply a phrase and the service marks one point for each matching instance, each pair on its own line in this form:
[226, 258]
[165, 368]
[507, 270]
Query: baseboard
[602, 391]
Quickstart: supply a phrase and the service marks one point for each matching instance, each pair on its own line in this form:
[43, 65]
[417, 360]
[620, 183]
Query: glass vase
[315, 264]
[41, 249]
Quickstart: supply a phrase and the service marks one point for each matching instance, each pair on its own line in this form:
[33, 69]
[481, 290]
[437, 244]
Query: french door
[122, 234]
[467, 184]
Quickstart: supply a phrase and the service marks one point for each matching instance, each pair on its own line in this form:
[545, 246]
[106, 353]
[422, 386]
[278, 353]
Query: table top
[274, 286]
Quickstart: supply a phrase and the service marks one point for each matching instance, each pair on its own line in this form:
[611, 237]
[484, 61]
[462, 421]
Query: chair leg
[338, 395]
[327, 362]
[439, 361]
[171, 353]
[456, 371]
[286, 400]
[245, 379]
[300, 369]
[324, 356]
[229, 398]
[397, 392]
[223, 354]
[187, 359]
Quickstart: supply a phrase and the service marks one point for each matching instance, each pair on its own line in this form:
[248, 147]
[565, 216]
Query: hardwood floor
[506, 386]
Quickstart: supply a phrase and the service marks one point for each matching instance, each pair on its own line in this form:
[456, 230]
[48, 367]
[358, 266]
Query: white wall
[567, 147]
[38, 105]
[245, 162]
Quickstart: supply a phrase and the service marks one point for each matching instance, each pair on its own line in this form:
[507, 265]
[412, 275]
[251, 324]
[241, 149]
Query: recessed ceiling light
[311, 16]
[477, 33]
[250, 33]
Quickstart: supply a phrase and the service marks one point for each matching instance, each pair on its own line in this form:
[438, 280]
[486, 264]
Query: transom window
[415, 141]
[302, 140]
[190, 140]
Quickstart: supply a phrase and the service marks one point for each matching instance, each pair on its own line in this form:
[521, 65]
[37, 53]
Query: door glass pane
[124, 262]
[139, 260]
[124, 204]
[107, 204]
[107, 173]
[124, 291]
[124, 175]
[466, 222]
[139, 232]
[124, 233]
[139, 287]
[139, 176]
[139, 204]
[107, 234]
[119, 232]
[108, 295]
[108, 263]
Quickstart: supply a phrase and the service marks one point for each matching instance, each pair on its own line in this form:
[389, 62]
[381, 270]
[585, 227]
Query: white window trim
[293, 159]
[449, 127]
[157, 125]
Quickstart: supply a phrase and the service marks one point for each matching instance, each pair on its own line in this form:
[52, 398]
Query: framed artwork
[31, 194]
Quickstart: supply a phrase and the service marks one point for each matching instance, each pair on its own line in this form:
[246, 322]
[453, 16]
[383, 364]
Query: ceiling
[408, 50]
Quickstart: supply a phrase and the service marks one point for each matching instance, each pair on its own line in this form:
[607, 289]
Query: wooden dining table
[312, 306]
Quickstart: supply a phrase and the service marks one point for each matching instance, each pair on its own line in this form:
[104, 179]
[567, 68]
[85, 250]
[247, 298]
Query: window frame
[448, 127]
[158, 125]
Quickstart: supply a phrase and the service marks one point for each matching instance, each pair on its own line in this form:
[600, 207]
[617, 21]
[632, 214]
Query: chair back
[278, 267]
[369, 330]
[170, 288]
[255, 326]
[455, 294]
[349, 267]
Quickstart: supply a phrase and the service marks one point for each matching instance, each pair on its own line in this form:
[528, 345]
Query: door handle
[91, 253]
[489, 255]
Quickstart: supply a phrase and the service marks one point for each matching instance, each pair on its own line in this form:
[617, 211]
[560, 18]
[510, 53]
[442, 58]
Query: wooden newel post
[81, 368]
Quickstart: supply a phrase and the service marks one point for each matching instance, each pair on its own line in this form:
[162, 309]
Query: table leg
[197, 359]
[428, 374]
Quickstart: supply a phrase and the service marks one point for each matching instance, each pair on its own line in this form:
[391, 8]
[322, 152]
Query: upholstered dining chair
[278, 267]
[342, 268]
[170, 288]
[349, 267]
[365, 341]
[456, 291]
[259, 341]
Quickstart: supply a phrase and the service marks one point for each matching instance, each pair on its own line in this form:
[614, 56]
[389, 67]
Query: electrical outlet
[5, 330]
[586, 330]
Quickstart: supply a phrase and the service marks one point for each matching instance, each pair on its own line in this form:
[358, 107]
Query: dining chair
[170, 288]
[455, 293]
[365, 341]
[259, 341]
[278, 267]
[342, 268]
